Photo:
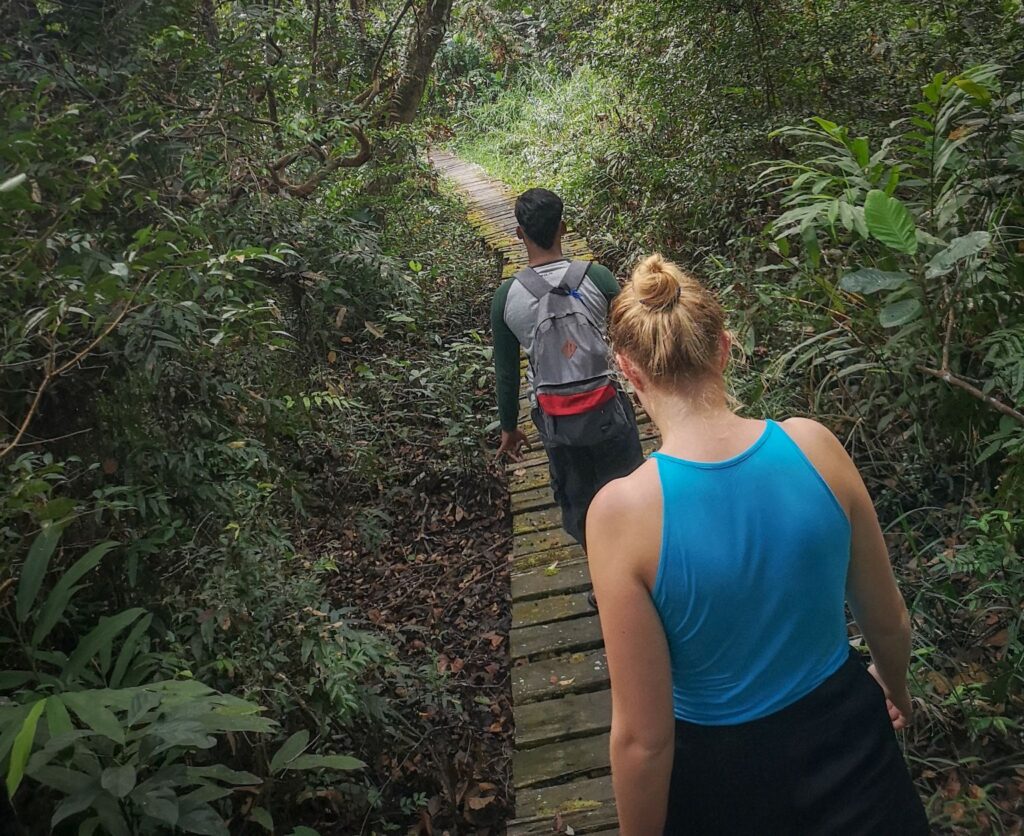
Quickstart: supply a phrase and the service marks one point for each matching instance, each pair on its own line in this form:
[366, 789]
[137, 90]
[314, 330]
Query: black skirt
[828, 764]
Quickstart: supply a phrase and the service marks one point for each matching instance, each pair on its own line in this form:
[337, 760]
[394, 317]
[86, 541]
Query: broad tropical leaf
[868, 280]
[34, 570]
[103, 634]
[60, 596]
[23, 747]
[959, 248]
[290, 749]
[889, 221]
[899, 313]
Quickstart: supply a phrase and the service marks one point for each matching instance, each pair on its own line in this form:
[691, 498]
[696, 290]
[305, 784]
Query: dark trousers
[827, 765]
[578, 473]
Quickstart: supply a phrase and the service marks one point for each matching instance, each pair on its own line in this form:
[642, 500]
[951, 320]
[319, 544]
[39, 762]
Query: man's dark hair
[539, 213]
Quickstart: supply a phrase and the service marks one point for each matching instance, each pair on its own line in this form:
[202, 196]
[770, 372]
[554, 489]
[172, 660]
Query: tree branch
[974, 391]
[333, 162]
[370, 93]
[53, 373]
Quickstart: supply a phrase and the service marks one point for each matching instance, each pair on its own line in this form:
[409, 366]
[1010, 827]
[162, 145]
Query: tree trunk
[358, 15]
[425, 39]
[208, 19]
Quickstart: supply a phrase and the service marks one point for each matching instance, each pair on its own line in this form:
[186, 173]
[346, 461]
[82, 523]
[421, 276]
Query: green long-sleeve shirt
[507, 344]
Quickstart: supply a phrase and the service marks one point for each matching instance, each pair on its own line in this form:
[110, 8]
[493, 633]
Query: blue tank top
[751, 583]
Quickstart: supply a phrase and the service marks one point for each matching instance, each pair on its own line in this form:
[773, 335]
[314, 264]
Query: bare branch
[332, 163]
[974, 391]
[52, 373]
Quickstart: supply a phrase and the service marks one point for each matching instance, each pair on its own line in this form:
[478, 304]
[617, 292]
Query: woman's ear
[724, 350]
[631, 371]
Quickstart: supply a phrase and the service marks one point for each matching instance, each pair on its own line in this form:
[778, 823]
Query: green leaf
[290, 749]
[209, 792]
[103, 634]
[9, 680]
[74, 803]
[56, 509]
[119, 780]
[58, 721]
[111, 816]
[127, 653]
[202, 819]
[302, 830]
[341, 762]
[160, 804]
[12, 183]
[63, 780]
[36, 563]
[23, 747]
[868, 280]
[220, 772]
[61, 595]
[95, 715]
[958, 249]
[262, 818]
[974, 90]
[89, 826]
[859, 147]
[54, 746]
[899, 313]
[889, 221]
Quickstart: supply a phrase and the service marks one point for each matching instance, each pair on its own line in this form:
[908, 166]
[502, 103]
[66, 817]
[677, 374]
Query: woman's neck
[695, 419]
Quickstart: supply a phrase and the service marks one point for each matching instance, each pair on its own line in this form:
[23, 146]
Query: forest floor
[426, 561]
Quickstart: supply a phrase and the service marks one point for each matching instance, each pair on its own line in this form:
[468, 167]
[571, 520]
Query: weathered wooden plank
[557, 579]
[572, 673]
[564, 738]
[541, 560]
[590, 821]
[564, 798]
[538, 640]
[540, 541]
[540, 520]
[534, 474]
[576, 715]
[560, 760]
[532, 500]
[550, 609]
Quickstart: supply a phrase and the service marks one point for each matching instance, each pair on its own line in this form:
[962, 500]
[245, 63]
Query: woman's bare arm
[643, 729]
[871, 590]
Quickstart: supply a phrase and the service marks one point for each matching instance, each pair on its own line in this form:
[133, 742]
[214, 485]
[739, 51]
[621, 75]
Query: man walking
[557, 311]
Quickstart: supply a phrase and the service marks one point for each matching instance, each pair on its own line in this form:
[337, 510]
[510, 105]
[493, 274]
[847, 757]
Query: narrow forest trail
[562, 704]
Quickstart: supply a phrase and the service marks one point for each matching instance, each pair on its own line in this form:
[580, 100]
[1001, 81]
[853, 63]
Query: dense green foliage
[245, 403]
[219, 374]
[850, 176]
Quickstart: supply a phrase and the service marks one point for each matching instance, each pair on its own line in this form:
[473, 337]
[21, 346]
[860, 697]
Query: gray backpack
[577, 399]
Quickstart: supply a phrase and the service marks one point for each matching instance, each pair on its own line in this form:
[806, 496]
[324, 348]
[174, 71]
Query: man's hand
[512, 444]
[900, 706]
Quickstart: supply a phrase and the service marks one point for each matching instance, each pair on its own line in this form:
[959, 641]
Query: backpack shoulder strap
[573, 277]
[531, 280]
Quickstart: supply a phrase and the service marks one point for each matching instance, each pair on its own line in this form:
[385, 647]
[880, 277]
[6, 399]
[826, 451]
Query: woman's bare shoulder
[813, 437]
[631, 497]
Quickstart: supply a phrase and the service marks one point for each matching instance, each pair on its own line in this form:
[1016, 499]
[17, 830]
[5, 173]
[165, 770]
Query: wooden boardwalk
[562, 704]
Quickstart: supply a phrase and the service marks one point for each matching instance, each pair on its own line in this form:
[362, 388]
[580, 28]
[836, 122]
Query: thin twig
[960, 383]
[52, 374]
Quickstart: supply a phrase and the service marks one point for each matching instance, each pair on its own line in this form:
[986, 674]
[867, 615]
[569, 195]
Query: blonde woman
[722, 566]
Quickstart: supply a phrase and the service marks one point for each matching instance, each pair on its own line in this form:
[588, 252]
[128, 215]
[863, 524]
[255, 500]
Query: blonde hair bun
[667, 322]
[657, 283]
